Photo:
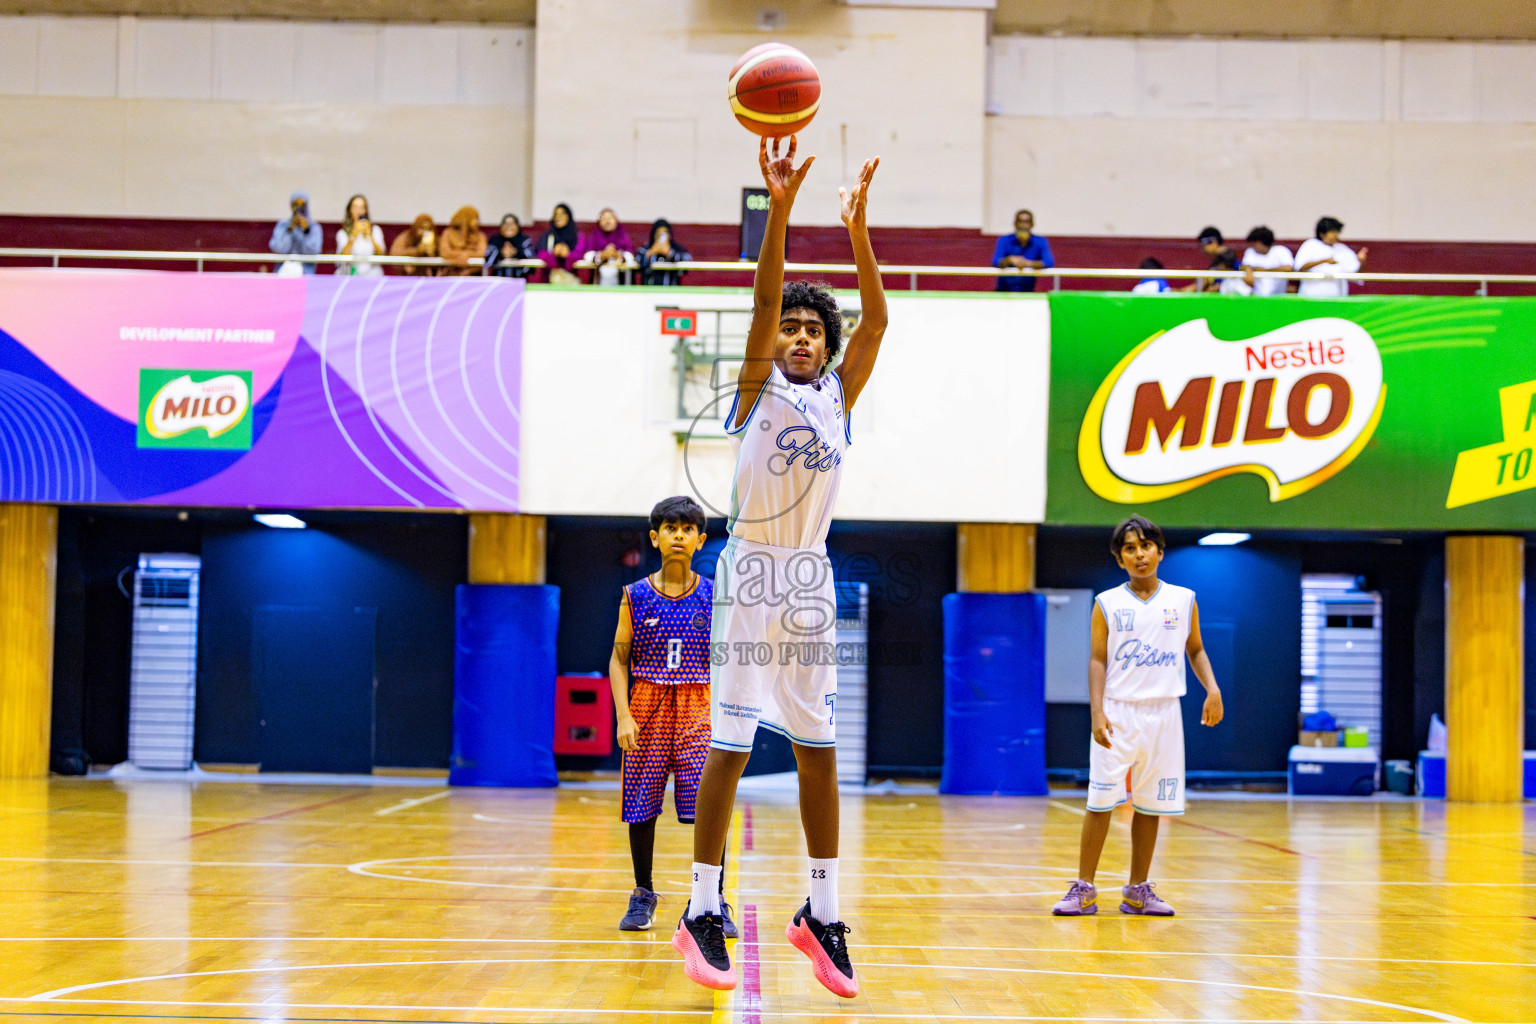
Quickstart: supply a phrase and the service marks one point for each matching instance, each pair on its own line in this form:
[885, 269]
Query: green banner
[194, 409]
[1226, 411]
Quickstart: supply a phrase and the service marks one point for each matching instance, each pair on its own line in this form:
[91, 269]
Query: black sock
[642, 849]
[722, 866]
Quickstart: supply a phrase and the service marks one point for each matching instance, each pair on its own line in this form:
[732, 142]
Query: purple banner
[253, 390]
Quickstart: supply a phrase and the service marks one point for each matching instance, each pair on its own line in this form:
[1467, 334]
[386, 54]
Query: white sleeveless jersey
[789, 462]
[1146, 642]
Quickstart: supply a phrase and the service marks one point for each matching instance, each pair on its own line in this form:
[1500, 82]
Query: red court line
[751, 975]
[280, 814]
[746, 826]
[1234, 835]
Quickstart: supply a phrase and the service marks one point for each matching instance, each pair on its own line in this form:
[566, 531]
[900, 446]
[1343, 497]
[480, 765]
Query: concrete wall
[222, 119]
[615, 103]
[1160, 137]
[653, 136]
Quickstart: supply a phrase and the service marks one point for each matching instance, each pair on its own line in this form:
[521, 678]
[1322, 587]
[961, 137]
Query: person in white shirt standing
[1264, 254]
[1325, 254]
[1142, 633]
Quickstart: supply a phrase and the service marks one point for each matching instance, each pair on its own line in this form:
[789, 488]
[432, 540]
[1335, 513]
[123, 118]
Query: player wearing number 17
[1142, 631]
[789, 422]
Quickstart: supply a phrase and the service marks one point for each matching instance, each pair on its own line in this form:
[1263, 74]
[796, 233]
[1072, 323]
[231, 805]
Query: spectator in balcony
[1212, 244]
[607, 246]
[1151, 284]
[1264, 254]
[296, 235]
[1325, 254]
[420, 240]
[509, 243]
[557, 246]
[1230, 285]
[662, 248]
[462, 241]
[360, 238]
[1023, 249]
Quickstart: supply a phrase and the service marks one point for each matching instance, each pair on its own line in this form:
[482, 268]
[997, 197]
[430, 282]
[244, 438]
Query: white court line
[1014, 871]
[57, 994]
[404, 804]
[1083, 811]
[363, 869]
[1076, 950]
[170, 863]
[819, 1015]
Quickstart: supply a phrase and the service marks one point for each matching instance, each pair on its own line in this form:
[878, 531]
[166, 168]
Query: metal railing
[58, 257]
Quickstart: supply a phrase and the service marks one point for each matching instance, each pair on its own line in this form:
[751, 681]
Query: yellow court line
[725, 1002]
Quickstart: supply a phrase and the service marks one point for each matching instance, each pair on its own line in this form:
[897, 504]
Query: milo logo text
[194, 409]
[1292, 407]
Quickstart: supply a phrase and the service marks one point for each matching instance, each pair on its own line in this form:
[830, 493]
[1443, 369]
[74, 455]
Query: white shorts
[1148, 742]
[772, 645]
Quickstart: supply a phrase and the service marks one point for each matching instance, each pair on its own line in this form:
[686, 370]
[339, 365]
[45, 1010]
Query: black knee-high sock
[642, 850]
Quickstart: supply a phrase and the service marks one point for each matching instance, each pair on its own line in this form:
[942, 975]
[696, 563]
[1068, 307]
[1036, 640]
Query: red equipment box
[583, 715]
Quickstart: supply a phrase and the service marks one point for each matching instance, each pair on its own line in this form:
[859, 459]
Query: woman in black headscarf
[509, 243]
[662, 248]
[558, 246]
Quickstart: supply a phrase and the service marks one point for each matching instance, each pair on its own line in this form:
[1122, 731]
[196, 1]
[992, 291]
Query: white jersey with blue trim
[789, 462]
[1146, 641]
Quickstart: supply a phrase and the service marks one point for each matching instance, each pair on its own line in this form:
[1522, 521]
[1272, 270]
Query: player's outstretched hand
[628, 732]
[856, 200]
[1103, 729]
[1212, 712]
[780, 174]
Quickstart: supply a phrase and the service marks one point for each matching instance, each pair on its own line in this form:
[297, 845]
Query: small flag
[680, 321]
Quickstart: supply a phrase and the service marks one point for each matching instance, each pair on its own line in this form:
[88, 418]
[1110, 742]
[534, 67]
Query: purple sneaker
[1143, 899]
[1082, 899]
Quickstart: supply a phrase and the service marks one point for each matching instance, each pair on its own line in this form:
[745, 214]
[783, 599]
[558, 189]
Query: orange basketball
[774, 90]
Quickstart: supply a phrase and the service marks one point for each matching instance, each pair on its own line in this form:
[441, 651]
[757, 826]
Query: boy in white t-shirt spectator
[1325, 254]
[1264, 254]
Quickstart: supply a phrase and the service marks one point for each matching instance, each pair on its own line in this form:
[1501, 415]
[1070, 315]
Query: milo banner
[256, 390]
[1211, 411]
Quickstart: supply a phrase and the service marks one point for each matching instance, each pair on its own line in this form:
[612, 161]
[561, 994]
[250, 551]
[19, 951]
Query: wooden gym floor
[168, 901]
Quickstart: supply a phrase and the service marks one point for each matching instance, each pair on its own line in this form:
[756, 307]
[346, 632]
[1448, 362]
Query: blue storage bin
[1431, 774]
[1333, 771]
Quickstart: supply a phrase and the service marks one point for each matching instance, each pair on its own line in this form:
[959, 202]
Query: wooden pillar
[506, 548]
[29, 536]
[996, 558]
[1484, 668]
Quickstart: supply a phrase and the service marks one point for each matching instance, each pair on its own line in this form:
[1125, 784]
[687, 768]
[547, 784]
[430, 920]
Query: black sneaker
[642, 911]
[827, 947]
[702, 943]
[730, 925]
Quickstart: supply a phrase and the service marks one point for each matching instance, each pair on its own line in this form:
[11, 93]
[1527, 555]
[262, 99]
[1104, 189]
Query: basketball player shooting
[790, 426]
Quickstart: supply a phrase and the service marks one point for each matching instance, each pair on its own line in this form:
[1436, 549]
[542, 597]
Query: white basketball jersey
[1146, 642]
[789, 462]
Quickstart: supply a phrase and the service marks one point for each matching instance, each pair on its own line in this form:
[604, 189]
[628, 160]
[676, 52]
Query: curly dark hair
[805, 295]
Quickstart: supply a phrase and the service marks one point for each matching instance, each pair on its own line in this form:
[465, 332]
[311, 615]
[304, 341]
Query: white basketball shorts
[772, 646]
[1148, 742]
